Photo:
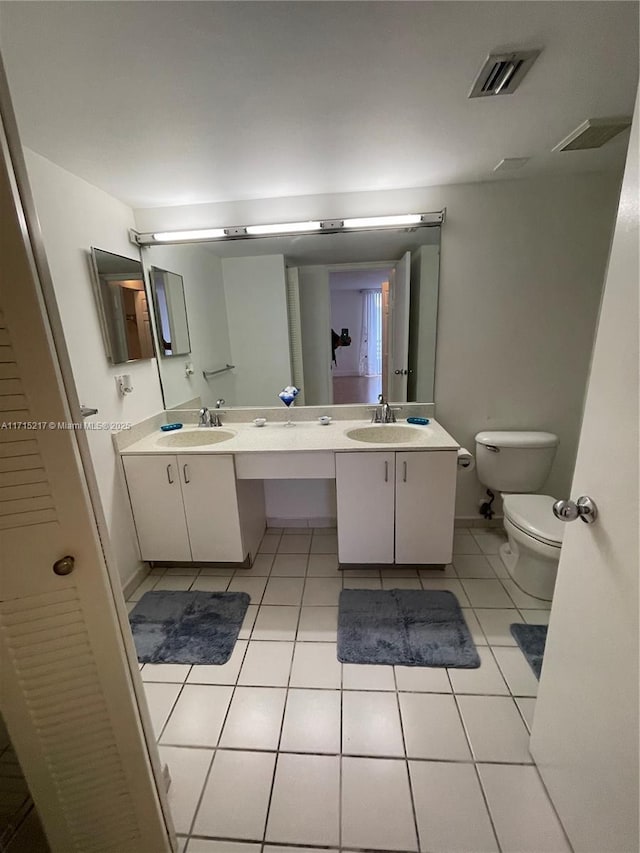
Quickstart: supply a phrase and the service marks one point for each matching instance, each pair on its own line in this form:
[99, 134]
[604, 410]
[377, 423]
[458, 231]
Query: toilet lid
[534, 515]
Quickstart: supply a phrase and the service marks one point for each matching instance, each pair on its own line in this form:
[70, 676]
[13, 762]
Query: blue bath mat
[531, 639]
[404, 627]
[171, 626]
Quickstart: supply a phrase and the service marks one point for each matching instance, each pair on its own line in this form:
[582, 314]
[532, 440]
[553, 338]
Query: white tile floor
[285, 749]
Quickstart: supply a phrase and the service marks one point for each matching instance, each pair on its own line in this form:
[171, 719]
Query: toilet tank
[510, 461]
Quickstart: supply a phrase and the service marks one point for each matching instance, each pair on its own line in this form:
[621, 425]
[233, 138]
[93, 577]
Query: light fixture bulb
[201, 234]
[282, 228]
[381, 221]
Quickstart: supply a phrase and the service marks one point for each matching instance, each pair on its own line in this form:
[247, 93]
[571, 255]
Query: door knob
[64, 566]
[584, 509]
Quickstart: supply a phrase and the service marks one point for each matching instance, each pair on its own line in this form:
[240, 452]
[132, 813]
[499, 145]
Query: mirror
[172, 327]
[342, 316]
[122, 306]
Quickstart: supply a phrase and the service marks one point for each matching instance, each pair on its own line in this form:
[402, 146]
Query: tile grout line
[286, 701]
[475, 765]
[465, 762]
[553, 808]
[406, 761]
[215, 749]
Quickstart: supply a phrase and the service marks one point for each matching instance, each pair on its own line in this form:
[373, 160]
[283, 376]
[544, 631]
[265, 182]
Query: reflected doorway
[359, 332]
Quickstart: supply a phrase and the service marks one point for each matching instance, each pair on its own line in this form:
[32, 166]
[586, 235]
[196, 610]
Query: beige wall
[255, 293]
[75, 216]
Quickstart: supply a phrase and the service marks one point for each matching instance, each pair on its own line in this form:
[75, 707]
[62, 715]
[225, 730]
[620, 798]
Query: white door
[398, 362]
[211, 508]
[158, 511]
[425, 506]
[365, 498]
[585, 730]
[70, 685]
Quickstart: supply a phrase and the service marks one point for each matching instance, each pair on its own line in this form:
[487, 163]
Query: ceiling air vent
[502, 73]
[593, 133]
[510, 164]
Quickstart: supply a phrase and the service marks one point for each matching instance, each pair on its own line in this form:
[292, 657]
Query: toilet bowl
[532, 553]
[516, 463]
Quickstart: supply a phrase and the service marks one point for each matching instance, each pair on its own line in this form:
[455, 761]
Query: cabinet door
[211, 507]
[364, 491]
[425, 506]
[158, 512]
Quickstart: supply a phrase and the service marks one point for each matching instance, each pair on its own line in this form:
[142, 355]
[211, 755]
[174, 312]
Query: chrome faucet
[215, 416]
[210, 419]
[205, 417]
[383, 414]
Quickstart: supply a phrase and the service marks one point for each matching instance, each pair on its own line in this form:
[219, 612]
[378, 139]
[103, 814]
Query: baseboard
[324, 521]
[134, 582]
[475, 521]
[331, 521]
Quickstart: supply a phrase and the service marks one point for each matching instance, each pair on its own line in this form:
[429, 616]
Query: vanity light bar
[282, 229]
[384, 221]
[202, 234]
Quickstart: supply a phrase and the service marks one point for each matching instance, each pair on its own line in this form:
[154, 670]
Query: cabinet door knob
[64, 566]
[185, 471]
[404, 472]
[169, 477]
[386, 472]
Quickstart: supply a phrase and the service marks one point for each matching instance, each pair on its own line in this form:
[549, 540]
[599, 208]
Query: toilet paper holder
[465, 459]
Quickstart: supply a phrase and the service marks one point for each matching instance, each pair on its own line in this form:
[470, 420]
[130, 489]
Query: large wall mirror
[122, 306]
[344, 316]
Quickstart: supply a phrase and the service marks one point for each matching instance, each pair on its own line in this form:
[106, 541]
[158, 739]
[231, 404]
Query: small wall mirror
[123, 307]
[171, 312]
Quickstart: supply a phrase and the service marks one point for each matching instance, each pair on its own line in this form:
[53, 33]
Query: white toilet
[516, 464]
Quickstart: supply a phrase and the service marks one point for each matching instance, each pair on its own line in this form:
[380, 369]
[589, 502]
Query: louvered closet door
[65, 691]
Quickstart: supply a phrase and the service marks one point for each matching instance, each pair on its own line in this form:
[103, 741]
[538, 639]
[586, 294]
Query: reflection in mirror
[171, 312]
[344, 317]
[122, 306]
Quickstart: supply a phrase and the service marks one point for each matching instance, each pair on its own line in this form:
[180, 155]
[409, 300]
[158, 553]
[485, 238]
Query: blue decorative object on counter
[419, 421]
[288, 395]
[170, 427]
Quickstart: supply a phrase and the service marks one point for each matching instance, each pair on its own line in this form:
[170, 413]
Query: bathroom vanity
[197, 494]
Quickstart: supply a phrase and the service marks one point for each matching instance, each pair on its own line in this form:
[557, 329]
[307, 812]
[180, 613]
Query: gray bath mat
[531, 639]
[404, 627]
[171, 626]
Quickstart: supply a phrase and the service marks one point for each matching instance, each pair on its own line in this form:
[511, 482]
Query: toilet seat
[533, 515]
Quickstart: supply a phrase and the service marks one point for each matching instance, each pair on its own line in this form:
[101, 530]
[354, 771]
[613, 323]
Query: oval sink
[385, 434]
[195, 438]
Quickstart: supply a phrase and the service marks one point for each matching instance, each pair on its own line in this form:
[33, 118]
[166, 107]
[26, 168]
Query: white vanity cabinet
[396, 507]
[365, 495]
[186, 508]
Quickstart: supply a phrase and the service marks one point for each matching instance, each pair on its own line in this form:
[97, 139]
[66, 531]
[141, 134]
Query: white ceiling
[167, 103]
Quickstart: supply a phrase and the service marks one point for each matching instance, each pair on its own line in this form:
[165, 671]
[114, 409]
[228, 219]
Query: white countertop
[305, 436]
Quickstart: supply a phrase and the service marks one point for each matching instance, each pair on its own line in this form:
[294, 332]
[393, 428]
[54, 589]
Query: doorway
[358, 333]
